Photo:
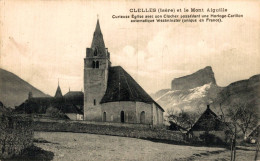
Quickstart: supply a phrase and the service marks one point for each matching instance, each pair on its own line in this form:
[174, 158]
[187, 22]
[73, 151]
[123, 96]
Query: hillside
[14, 90]
[193, 92]
[240, 92]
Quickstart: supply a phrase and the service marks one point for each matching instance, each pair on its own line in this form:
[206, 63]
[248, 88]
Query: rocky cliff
[193, 92]
[197, 79]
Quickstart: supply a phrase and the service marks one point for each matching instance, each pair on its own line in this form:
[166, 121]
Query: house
[208, 128]
[59, 106]
[253, 136]
[111, 94]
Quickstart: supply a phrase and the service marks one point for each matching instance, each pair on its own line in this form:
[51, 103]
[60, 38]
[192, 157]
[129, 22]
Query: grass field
[82, 146]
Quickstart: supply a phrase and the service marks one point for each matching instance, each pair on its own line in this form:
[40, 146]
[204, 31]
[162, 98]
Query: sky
[43, 41]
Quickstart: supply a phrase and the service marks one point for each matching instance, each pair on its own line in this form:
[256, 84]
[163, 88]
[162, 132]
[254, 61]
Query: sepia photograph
[129, 80]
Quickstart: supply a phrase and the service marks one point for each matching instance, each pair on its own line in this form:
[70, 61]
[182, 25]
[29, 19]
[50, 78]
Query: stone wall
[16, 134]
[113, 111]
[147, 109]
[132, 112]
[83, 127]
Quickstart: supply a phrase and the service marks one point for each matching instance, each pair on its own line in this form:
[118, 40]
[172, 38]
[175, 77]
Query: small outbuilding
[208, 128]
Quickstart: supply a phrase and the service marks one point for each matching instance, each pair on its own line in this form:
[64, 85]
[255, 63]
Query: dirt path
[82, 146]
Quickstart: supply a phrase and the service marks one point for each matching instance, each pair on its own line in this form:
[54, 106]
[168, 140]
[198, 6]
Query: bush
[211, 139]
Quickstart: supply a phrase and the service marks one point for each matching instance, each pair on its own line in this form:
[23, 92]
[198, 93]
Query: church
[111, 94]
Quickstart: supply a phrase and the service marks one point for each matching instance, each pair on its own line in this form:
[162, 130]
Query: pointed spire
[97, 30]
[58, 91]
[98, 42]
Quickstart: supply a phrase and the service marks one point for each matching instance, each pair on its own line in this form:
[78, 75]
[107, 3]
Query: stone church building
[111, 94]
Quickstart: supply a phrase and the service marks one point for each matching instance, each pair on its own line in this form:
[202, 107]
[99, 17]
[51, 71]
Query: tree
[183, 118]
[241, 117]
[244, 115]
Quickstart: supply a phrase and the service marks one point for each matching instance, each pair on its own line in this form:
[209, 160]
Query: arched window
[95, 52]
[93, 64]
[97, 64]
[122, 116]
[142, 117]
[104, 117]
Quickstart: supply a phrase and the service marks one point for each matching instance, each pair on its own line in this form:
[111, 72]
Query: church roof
[122, 87]
[58, 92]
[98, 41]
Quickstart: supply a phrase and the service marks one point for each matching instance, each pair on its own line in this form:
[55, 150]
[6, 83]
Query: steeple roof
[98, 41]
[58, 92]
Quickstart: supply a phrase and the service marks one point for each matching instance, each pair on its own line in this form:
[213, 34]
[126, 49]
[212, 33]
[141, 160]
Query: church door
[122, 116]
[104, 117]
[142, 117]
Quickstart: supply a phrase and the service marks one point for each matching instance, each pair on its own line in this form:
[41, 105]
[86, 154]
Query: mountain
[190, 93]
[14, 90]
[193, 92]
[197, 79]
[240, 92]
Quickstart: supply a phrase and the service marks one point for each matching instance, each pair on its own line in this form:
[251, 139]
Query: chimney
[207, 106]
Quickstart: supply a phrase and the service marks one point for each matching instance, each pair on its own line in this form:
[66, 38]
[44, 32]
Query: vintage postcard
[129, 80]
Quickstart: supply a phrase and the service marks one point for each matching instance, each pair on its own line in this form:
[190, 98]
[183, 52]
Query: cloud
[49, 42]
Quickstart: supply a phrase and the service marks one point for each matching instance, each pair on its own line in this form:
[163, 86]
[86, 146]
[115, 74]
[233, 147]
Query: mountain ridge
[193, 95]
[14, 90]
[196, 79]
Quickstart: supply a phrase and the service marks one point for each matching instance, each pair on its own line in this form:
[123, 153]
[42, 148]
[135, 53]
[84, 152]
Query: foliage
[243, 116]
[183, 118]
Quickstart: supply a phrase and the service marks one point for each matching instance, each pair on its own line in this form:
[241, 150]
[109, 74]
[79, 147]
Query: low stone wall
[88, 127]
[16, 134]
[130, 125]
[212, 137]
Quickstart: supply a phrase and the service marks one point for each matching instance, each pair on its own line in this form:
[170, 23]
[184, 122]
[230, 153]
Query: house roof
[74, 94]
[208, 121]
[70, 108]
[40, 104]
[122, 87]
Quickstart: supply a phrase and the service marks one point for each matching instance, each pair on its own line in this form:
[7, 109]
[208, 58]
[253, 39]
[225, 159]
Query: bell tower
[96, 66]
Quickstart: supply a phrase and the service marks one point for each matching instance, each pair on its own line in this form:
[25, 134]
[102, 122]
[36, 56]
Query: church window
[97, 64]
[93, 64]
[122, 116]
[142, 117]
[95, 52]
[94, 102]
